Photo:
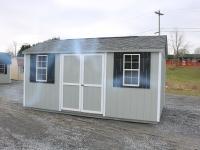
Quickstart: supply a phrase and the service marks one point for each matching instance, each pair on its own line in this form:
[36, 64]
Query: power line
[179, 31]
[183, 28]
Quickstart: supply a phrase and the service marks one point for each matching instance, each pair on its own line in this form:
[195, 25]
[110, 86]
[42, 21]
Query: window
[131, 70]
[2, 68]
[41, 68]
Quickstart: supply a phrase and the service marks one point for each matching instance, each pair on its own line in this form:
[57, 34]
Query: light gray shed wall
[132, 103]
[42, 95]
[5, 78]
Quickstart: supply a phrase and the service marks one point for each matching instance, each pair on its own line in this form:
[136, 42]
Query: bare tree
[12, 49]
[178, 44]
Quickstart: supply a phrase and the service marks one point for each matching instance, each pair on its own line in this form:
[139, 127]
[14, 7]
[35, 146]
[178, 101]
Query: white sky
[26, 21]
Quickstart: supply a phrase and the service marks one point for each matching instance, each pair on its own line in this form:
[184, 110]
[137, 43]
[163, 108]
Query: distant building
[17, 68]
[5, 61]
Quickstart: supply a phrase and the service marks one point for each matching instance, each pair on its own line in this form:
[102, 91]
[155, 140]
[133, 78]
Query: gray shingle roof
[5, 58]
[104, 44]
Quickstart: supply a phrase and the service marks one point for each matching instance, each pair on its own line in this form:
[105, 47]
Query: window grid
[131, 69]
[41, 68]
[2, 68]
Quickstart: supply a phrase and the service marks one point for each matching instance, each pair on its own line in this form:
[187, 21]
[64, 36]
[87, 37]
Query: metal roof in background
[5, 58]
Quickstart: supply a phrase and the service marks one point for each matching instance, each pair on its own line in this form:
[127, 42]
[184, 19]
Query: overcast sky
[26, 21]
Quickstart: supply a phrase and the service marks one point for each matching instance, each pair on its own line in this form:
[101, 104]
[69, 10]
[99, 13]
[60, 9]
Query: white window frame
[138, 70]
[3, 66]
[37, 67]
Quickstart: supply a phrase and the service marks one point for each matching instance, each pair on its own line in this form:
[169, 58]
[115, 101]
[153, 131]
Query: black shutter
[145, 60]
[5, 69]
[118, 70]
[32, 68]
[51, 68]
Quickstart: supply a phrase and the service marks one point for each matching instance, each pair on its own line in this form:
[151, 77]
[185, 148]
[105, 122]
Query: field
[183, 80]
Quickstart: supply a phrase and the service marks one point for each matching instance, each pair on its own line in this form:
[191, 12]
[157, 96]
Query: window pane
[128, 74]
[127, 65]
[135, 58]
[131, 77]
[44, 64]
[134, 73]
[127, 80]
[135, 65]
[44, 77]
[128, 58]
[42, 58]
[40, 71]
[2, 68]
[134, 80]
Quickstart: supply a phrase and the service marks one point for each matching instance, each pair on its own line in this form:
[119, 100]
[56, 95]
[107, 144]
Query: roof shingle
[104, 44]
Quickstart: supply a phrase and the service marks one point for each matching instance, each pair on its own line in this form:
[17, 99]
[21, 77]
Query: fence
[183, 62]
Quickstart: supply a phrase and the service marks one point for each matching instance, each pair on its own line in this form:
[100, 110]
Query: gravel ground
[28, 129]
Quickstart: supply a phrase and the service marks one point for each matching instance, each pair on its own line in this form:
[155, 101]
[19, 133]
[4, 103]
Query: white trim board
[24, 101]
[159, 86]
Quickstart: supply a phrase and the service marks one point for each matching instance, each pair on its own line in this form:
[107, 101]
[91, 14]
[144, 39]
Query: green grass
[183, 80]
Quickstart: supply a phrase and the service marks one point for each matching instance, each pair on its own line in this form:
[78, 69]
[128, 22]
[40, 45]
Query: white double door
[82, 80]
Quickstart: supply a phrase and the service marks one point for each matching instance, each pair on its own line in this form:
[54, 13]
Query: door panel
[71, 96]
[92, 81]
[92, 69]
[71, 82]
[72, 69]
[92, 99]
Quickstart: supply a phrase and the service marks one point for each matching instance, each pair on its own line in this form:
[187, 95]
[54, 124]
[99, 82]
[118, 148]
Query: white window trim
[4, 68]
[133, 85]
[41, 68]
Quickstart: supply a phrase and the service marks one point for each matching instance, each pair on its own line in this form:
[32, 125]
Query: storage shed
[112, 77]
[5, 61]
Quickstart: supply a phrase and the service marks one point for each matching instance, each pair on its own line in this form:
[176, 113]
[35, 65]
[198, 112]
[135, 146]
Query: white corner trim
[24, 101]
[104, 84]
[159, 86]
[60, 82]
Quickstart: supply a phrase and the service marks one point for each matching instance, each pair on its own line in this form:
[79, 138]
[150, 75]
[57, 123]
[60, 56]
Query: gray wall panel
[5, 78]
[42, 95]
[71, 96]
[92, 98]
[132, 103]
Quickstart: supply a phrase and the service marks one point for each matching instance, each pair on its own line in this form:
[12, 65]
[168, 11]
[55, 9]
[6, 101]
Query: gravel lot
[28, 129]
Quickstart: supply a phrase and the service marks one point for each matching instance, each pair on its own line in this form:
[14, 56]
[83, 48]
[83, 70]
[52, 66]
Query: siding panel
[132, 103]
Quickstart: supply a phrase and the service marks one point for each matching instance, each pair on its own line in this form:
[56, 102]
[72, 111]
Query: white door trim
[81, 80]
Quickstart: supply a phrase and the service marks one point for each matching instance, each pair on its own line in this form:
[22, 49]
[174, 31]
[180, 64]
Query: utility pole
[159, 14]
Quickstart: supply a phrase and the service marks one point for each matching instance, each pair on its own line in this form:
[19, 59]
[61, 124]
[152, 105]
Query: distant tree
[197, 50]
[178, 44]
[23, 48]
